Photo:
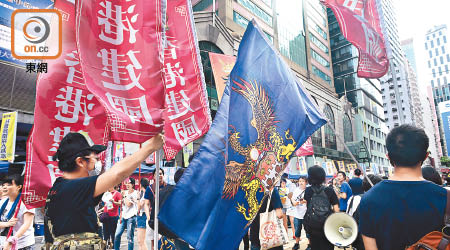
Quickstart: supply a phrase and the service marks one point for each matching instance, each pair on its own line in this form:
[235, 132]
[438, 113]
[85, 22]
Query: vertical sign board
[8, 132]
[444, 110]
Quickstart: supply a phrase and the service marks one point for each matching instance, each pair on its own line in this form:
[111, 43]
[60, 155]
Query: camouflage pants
[80, 241]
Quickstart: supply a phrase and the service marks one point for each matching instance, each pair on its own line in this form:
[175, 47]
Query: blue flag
[264, 116]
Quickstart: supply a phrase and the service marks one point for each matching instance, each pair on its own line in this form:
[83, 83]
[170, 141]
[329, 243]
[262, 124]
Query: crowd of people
[391, 213]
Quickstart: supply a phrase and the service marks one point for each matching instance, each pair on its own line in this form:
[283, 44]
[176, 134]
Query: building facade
[438, 61]
[424, 111]
[299, 30]
[364, 94]
[395, 87]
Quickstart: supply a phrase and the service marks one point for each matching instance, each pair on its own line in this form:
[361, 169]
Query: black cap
[72, 144]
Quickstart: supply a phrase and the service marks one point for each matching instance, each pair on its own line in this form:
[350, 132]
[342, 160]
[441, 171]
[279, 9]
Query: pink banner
[306, 149]
[360, 25]
[120, 43]
[221, 66]
[63, 105]
[187, 113]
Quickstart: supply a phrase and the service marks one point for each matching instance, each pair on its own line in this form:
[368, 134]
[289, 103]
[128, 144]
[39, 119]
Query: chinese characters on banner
[306, 149]
[120, 43]
[63, 105]
[360, 25]
[187, 113]
[8, 133]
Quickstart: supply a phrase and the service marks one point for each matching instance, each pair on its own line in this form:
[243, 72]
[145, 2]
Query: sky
[414, 19]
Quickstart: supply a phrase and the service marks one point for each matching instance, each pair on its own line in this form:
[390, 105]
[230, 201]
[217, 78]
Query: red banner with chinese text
[120, 46]
[63, 105]
[187, 111]
[306, 149]
[360, 25]
[221, 66]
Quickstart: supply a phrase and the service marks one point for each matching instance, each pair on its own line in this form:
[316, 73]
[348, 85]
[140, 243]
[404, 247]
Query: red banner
[221, 66]
[306, 149]
[120, 43]
[360, 25]
[63, 105]
[187, 113]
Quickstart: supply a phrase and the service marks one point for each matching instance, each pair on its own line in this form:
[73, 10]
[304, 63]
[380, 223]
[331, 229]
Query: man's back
[398, 213]
[356, 185]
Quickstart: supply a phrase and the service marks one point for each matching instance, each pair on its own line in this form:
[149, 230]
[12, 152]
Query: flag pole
[156, 208]
[351, 155]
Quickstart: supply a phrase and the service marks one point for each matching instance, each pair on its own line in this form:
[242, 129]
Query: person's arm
[125, 167]
[279, 213]
[27, 223]
[9, 223]
[369, 243]
[147, 208]
[336, 208]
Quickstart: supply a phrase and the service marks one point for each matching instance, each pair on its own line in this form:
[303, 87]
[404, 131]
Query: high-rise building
[364, 94]
[299, 30]
[396, 89]
[424, 117]
[438, 60]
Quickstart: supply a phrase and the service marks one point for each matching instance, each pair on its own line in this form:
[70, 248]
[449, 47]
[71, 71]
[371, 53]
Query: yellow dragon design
[264, 158]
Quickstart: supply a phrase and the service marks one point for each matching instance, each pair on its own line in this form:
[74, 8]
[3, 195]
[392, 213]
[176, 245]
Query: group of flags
[131, 69]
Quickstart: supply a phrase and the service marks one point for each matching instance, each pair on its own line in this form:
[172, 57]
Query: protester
[23, 231]
[345, 191]
[275, 203]
[323, 194]
[70, 208]
[128, 215]
[397, 212]
[298, 209]
[353, 206]
[111, 208]
[284, 191]
[356, 182]
[430, 174]
[149, 198]
[141, 216]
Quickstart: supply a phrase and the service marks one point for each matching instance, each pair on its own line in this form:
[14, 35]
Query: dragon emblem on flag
[265, 158]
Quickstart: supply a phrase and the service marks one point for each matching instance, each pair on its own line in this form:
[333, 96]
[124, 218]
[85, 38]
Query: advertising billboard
[444, 110]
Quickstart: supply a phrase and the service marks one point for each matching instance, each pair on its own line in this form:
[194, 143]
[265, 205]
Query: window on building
[320, 30]
[445, 80]
[428, 37]
[436, 50]
[443, 50]
[432, 44]
[448, 57]
[426, 45]
[430, 53]
[441, 59]
[242, 21]
[446, 69]
[348, 130]
[318, 43]
[439, 81]
[320, 59]
[438, 41]
[435, 61]
[440, 71]
[321, 74]
[445, 39]
[429, 64]
[257, 11]
[330, 137]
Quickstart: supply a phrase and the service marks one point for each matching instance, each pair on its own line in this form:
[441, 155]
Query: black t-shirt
[332, 197]
[275, 203]
[398, 213]
[71, 207]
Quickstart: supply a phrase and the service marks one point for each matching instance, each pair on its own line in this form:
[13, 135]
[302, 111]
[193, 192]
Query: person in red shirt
[112, 203]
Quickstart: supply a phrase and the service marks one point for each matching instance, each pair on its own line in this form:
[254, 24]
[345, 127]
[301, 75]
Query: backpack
[355, 214]
[318, 209]
[436, 240]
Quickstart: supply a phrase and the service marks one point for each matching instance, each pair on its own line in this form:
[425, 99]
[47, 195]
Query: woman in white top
[298, 209]
[23, 231]
[128, 215]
